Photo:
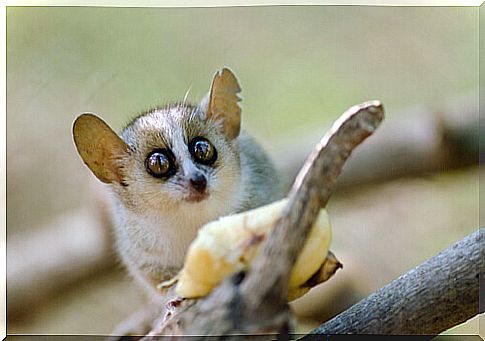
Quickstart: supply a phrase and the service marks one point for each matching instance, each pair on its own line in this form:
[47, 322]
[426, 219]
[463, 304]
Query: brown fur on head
[122, 162]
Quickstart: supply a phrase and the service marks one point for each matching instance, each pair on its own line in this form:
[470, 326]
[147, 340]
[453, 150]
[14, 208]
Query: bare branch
[431, 298]
[257, 303]
[310, 192]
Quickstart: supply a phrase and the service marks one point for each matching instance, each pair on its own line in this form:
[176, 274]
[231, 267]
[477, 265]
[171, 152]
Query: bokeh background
[410, 193]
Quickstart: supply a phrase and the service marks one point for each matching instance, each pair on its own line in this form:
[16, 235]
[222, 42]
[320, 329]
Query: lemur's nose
[199, 182]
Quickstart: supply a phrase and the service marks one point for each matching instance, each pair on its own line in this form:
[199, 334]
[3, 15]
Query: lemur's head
[180, 155]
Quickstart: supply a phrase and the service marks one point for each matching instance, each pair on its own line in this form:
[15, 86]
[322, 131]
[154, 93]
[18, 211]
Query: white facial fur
[173, 128]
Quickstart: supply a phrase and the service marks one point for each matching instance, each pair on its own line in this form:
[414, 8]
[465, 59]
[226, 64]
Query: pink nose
[198, 182]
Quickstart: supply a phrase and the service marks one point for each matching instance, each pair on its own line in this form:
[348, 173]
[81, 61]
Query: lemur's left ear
[100, 148]
[221, 103]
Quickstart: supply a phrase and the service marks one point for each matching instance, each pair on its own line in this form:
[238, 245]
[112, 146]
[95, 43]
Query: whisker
[187, 94]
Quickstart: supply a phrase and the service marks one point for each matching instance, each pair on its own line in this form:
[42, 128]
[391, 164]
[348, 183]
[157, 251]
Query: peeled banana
[229, 244]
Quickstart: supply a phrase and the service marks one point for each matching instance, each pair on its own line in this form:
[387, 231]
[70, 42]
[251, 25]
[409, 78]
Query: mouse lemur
[173, 169]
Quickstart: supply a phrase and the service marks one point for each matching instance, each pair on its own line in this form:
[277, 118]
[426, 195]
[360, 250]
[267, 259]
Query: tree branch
[257, 303]
[310, 192]
[431, 298]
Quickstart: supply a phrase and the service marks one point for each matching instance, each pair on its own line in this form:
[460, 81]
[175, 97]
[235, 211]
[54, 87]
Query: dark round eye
[159, 164]
[203, 151]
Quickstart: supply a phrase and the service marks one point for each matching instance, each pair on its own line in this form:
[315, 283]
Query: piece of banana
[230, 243]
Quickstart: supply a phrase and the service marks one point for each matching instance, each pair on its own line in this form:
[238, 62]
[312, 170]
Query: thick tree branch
[433, 297]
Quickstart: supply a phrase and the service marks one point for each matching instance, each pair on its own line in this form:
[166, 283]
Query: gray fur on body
[260, 178]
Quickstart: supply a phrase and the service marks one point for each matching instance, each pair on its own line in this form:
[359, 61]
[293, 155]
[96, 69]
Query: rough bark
[256, 302]
[431, 298]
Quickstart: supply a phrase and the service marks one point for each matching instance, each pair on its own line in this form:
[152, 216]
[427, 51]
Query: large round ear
[222, 102]
[100, 147]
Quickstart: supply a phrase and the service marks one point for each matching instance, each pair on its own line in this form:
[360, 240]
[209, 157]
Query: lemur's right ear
[99, 147]
[222, 102]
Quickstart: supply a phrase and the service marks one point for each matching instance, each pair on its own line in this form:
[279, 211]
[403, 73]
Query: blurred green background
[299, 67]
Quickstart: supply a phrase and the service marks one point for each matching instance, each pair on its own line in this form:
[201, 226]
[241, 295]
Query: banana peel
[229, 244]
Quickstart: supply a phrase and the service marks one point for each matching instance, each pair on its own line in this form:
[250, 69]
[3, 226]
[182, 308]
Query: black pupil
[203, 151]
[158, 164]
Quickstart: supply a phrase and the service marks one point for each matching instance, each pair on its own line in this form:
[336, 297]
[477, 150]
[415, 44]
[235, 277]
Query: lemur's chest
[160, 243]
